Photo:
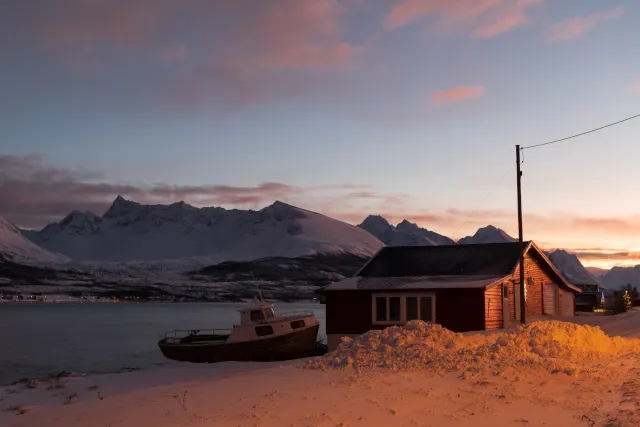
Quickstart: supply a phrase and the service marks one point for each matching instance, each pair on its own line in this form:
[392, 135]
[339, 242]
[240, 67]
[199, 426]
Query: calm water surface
[41, 339]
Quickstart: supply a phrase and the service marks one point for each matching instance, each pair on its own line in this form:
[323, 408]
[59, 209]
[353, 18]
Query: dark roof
[413, 283]
[493, 259]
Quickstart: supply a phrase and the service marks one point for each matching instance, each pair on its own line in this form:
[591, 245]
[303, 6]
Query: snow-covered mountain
[572, 269]
[130, 231]
[17, 248]
[404, 234]
[619, 277]
[488, 234]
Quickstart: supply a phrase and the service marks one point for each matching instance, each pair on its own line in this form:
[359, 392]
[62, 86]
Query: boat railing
[296, 314]
[184, 333]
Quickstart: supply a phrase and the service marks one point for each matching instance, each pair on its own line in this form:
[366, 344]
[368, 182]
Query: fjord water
[42, 339]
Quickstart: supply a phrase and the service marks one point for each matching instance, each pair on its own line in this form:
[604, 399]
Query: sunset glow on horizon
[409, 109]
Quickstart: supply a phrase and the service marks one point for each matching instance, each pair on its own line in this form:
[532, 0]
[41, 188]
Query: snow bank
[555, 346]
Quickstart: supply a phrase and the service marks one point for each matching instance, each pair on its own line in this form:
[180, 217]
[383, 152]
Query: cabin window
[269, 313]
[426, 312]
[265, 330]
[297, 324]
[257, 315]
[412, 308]
[505, 291]
[381, 309]
[399, 308]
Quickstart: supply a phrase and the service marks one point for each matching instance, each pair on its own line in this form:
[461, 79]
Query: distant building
[461, 287]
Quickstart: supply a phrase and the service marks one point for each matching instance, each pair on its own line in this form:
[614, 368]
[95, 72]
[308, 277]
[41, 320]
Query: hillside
[572, 268]
[17, 248]
[619, 277]
[130, 231]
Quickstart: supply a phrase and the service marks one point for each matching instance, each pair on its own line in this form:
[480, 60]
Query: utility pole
[522, 284]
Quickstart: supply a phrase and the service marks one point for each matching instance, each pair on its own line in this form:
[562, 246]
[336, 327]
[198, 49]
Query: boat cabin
[256, 315]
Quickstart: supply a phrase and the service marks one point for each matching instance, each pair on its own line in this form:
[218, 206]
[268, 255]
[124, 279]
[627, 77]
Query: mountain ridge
[130, 231]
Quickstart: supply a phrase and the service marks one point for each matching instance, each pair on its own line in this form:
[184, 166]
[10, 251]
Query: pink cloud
[635, 88]
[574, 27]
[478, 18]
[297, 34]
[457, 94]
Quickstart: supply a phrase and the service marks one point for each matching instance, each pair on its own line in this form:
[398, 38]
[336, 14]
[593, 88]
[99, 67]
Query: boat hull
[295, 345]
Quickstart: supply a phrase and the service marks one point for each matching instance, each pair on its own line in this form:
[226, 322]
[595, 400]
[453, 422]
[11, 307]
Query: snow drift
[552, 345]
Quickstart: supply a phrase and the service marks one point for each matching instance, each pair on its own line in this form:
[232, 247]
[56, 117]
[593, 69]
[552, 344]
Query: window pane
[412, 308]
[394, 309]
[257, 315]
[381, 309]
[297, 324]
[425, 309]
[262, 331]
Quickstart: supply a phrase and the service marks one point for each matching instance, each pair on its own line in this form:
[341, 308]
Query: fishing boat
[261, 336]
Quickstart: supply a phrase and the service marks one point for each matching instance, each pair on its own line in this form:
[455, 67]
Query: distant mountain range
[404, 234]
[153, 237]
[129, 231]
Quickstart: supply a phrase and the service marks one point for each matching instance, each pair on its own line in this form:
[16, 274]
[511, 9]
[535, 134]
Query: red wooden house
[461, 287]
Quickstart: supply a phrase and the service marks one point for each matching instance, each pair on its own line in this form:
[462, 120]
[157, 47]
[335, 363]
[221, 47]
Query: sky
[402, 108]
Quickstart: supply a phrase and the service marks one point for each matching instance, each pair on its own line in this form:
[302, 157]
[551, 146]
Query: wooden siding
[550, 299]
[533, 270]
[350, 312]
[493, 308]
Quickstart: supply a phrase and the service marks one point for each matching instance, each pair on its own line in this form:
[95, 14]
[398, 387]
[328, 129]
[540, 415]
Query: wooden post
[522, 283]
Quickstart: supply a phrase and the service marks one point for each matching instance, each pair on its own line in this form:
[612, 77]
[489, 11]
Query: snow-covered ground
[548, 374]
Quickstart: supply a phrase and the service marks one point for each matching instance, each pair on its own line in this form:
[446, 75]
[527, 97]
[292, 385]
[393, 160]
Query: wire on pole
[581, 134]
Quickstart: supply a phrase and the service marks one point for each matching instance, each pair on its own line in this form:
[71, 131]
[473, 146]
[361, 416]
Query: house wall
[350, 313]
[532, 269]
[493, 308]
[572, 309]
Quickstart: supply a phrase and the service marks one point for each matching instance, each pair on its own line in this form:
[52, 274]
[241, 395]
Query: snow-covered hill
[129, 231]
[619, 277]
[404, 234]
[488, 234]
[572, 269]
[17, 248]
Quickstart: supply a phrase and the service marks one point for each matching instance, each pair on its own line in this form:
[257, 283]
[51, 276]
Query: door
[506, 307]
[568, 304]
[516, 301]
[550, 296]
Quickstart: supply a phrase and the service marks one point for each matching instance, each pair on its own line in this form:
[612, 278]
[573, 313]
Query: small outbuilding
[461, 287]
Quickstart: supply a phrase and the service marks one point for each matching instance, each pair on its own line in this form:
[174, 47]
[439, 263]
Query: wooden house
[461, 287]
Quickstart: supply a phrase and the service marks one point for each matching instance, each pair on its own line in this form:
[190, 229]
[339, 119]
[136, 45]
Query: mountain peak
[406, 225]
[375, 225]
[571, 267]
[488, 234]
[120, 206]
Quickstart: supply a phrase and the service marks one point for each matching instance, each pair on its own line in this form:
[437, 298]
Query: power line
[482, 202]
[583, 133]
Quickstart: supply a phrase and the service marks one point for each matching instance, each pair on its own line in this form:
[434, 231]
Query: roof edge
[357, 273]
[546, 259]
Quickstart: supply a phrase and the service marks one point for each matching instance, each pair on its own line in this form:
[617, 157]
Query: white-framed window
[397, 309]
